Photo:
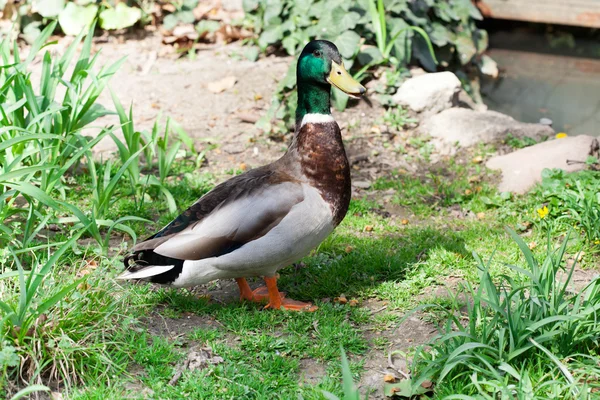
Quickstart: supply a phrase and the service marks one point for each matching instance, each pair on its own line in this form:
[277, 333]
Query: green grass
[265, 352]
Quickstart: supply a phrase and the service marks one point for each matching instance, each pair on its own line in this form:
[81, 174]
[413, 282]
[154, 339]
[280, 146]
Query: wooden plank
[566, 12]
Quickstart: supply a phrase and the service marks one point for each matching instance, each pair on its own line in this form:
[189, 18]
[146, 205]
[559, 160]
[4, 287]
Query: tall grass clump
[573, 198]
[58, 312]
[42, 139]
[526, 333]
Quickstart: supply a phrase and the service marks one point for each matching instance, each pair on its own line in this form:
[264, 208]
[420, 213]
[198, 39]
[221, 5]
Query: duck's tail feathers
[145, 272]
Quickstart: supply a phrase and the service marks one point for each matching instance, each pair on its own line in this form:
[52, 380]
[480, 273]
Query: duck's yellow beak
[341, 79]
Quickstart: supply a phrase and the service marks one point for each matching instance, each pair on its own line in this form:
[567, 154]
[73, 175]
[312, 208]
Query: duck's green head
[321, 63]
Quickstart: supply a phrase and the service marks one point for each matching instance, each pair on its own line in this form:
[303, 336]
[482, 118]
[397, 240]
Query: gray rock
[461, 127]
[429, 93]
[523, 168]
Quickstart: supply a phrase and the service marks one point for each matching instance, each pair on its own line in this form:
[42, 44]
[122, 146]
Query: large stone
[523, 168]
[462, 127]
[429, 93]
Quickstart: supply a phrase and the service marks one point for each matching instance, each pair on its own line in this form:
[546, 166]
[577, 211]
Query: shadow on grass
[349, 264]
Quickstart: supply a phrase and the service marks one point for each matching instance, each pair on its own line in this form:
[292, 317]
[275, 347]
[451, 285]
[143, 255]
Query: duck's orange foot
[261, 295]
[258, 295]
[292, 305]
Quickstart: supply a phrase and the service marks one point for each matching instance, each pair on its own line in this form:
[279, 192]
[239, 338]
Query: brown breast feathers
[323, 162]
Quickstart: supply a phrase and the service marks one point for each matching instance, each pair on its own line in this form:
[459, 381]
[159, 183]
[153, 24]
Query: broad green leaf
[74, 18]
[347, 43]
[207, 26]
[48, 8]
[465, 47]
[369, 55]
[119, 17]
[270, 36]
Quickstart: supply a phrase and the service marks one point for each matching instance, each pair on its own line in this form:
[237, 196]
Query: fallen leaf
[353, 303]
[389, 378]
[426, 384]
[368, 228]
[341, 300]
[404, 222]
[468, 192]
[348, 249]
[478, 160]
[222, 84]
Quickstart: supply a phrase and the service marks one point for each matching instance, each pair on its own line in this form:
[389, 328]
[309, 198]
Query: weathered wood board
[565, 12]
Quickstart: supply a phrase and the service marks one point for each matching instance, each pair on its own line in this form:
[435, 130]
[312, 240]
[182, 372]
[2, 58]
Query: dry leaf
[353, 303]
[426, 384]
[478, 160]
[404, 222]
[222, 84]
[341, 300]
[389, 378]
[468, 192]
[368, 228]
[348, 249]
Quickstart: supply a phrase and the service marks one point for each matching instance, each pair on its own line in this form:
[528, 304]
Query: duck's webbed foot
[258, 295]
[278, 301]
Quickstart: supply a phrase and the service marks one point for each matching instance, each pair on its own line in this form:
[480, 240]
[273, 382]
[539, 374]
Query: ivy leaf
[345, 20]
[347, 43]
[369, 55]
[249, 5]
[439, 34]
[48, 8]
[119, 17]
[481, 40]
[31, 31]
[289, 43]
[270, 36]
[465, 47]
[251, 53]
[73, 18]
[273, 9]
[207, 25]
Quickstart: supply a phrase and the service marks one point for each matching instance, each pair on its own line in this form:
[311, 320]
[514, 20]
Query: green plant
[515, 326]
[353, 27]
[19, 316]
[519, 142]
[153, 146]
[41, 135]
[350, 390]
[398, 118]
[573, 199]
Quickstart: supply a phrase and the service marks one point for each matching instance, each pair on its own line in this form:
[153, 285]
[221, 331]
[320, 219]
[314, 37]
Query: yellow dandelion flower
[561, 135]
[543, 212]
[596, 241]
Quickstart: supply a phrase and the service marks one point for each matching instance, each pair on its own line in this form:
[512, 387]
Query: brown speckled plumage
[323, 163]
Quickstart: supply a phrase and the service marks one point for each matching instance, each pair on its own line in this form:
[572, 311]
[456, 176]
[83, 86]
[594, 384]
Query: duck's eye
[317, 53]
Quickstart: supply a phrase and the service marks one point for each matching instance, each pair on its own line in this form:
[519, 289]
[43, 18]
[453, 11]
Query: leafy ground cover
[67, 324]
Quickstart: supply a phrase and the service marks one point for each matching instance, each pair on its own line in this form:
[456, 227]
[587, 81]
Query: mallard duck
[266, 218]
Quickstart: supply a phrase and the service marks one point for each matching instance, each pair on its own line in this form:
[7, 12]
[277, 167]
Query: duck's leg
[258, 295]
[277, 301]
